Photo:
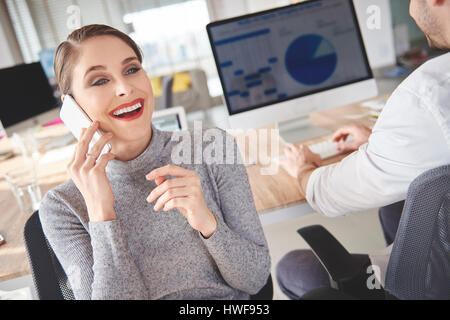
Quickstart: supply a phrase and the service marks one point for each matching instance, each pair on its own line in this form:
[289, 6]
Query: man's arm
[300, 162]
[406, 141]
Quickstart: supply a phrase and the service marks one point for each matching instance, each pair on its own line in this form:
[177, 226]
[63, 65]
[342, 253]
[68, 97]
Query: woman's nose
[123, 89]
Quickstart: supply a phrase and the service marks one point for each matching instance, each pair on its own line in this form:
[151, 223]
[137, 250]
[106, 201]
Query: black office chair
[266, 293]
[419, 264]
[49, 278]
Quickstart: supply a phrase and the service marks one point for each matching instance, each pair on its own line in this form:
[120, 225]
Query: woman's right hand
[89, 175]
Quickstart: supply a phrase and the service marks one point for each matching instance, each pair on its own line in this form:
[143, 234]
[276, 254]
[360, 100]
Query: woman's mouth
[129, 111]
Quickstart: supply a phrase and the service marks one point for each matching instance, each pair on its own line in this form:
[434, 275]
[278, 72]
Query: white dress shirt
[411, 136]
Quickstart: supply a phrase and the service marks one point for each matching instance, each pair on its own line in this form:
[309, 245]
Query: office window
[171, 33]
[25, 30]
[43, 24]
[173, 37]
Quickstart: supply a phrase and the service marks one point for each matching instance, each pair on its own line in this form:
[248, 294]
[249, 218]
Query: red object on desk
[54, 122]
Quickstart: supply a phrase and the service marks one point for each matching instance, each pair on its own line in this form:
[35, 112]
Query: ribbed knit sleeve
[238, 246]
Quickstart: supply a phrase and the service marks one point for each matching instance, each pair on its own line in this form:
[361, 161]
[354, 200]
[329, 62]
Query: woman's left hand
[183, 192]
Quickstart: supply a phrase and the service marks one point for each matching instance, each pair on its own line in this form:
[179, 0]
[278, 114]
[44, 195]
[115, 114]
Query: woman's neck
[127, 151]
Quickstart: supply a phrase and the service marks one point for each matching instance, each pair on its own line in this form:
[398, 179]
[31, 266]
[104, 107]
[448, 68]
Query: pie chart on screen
[311, 59]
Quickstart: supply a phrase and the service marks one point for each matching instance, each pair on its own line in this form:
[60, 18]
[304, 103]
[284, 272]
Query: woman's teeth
[129, 109]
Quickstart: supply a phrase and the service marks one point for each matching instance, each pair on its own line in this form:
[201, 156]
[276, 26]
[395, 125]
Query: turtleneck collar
[145, 160]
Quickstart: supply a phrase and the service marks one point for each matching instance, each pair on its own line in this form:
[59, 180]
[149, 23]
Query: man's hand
[298, 158]
[359, 132]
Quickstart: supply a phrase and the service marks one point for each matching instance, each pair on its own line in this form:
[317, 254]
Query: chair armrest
[337, 261]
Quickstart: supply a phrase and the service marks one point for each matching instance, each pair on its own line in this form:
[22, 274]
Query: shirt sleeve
[238, 246]
[406, 141]
[97, 262]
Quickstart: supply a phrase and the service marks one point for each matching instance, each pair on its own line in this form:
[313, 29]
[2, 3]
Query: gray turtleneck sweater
[157, 255]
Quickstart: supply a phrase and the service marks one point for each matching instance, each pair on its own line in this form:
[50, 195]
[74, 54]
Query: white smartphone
[76, 119]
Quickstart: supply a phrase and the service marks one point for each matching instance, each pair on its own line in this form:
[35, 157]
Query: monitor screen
[170, 122]
[25, 93]
[287, 53]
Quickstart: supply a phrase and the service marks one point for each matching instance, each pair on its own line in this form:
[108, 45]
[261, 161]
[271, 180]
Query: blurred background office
[179, 61]
[172, 35]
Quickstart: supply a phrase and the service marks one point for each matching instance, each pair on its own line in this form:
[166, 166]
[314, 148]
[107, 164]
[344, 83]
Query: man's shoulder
[440, 63]
[433, 72]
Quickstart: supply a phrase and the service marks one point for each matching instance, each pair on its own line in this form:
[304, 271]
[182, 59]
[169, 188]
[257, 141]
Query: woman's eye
[100, 82]
[132, 70]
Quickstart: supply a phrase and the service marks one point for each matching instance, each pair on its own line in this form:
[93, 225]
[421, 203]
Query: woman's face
[111, 86]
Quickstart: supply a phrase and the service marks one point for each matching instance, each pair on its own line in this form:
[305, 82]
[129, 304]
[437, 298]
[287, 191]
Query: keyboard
[326, 149]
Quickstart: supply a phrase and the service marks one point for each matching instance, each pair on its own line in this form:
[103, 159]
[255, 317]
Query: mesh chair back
[419, 265]
[49, 278]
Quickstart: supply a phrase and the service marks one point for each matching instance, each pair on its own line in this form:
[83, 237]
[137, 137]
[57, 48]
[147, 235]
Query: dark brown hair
[66, 53]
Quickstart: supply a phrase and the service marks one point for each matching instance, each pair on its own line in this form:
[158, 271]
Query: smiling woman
[104, 84]
[112, 242]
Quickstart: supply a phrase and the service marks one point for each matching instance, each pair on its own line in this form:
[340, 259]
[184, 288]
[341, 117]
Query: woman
[130, 224]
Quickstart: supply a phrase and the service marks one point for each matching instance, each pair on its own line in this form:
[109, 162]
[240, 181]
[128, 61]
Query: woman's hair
[67, 52]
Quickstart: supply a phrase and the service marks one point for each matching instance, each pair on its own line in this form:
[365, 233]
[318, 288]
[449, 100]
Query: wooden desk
[13, 261]
[270, 192]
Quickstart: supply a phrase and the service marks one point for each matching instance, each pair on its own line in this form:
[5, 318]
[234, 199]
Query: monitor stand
[300, 130]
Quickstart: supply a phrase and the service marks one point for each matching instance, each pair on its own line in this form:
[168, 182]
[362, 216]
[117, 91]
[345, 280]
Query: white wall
[379, 40]
[222, 9]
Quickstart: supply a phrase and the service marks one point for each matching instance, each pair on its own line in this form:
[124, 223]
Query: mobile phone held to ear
[76, 119]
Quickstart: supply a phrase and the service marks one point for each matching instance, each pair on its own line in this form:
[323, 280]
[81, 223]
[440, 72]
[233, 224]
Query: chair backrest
[419, 265]
[49, 278]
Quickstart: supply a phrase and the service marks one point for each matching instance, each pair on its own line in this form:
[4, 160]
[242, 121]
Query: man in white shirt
[411, 136]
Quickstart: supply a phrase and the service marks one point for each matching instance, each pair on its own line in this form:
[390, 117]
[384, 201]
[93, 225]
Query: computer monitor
[280, 65]
[27, 97]
[172, 119]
